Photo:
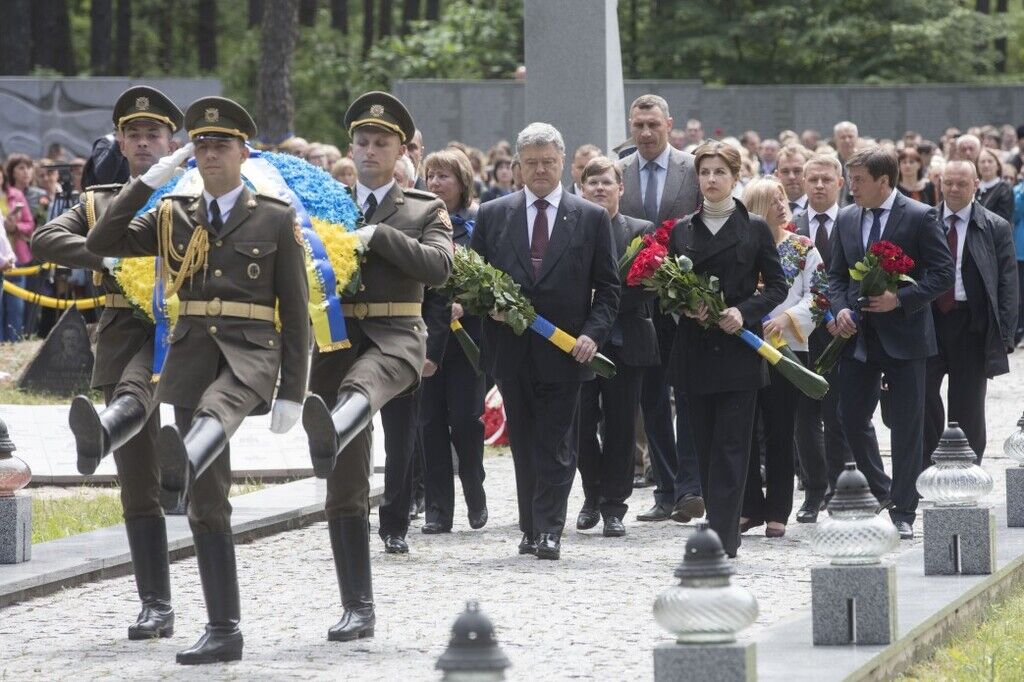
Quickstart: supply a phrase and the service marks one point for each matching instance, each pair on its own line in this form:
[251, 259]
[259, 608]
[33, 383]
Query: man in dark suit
[559, 249]
[894, 331]
[976, 317]
[660, 184]
[610, 405]
[845, 138]
[823, 452]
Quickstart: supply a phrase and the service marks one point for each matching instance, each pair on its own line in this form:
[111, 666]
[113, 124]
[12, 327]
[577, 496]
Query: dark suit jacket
[680, 196]
[437, 309]
[907, 332]
[577, 290]
[999, 200]
[803, 228]
[741, 254]
[639, 346]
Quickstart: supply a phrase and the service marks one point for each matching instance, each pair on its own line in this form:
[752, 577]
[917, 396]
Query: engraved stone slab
[736, 662]
[853, 604]
[1015, 497]
[15, 529]
[959, 540]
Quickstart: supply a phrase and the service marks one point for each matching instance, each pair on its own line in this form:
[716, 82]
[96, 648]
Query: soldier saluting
[230, 255]
[145, 120]
[409, 245]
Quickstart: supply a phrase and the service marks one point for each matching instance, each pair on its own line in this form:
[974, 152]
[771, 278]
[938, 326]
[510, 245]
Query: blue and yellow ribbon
[566, 342]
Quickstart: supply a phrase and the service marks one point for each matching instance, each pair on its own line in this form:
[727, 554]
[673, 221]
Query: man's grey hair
[650, 102]
[844, 125]
[540, 134]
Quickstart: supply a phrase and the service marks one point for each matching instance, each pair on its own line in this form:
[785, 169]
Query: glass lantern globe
[1013, 447]
[473, 653]
[955, 480]
[14, 473]
[853, 534]
[704, 607]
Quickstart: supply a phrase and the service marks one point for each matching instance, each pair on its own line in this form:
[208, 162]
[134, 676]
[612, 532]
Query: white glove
[365, 234]
[163, 170]
[109, 262]
[284, 415]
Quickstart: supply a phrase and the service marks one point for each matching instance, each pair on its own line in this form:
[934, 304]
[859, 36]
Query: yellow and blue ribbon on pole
[600, 365]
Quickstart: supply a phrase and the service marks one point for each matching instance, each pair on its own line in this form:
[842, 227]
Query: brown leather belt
[116, 301]
[364, 310]
[219, 308]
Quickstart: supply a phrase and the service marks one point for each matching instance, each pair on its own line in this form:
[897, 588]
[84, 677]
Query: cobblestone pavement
[587, 616]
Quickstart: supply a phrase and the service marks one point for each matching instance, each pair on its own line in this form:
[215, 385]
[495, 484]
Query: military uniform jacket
[257, 258]
[411, 247]
[121, 332]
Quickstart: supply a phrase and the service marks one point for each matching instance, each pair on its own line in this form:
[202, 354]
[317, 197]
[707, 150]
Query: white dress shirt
[812, 221]
[553, 200]
[964, 217]
[225, 202]
[868, 217]
[801, 205]
[660, 173]
[363, 194]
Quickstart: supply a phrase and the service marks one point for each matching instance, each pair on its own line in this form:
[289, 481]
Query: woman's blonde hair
[759, 194]
[456, 162]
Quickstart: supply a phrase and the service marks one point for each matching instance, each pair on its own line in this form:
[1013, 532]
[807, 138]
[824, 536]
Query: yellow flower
[137, 277]
[342, 250]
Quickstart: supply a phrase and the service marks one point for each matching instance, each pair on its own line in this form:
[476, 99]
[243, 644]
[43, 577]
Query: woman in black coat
[993, 192]
[453, 393]
[718, 374]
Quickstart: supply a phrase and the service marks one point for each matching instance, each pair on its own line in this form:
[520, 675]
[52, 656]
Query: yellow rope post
[51, 302]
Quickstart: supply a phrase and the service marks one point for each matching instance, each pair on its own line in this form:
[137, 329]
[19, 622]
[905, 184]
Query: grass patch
[249, 485]
[58, 517]
[988, 650]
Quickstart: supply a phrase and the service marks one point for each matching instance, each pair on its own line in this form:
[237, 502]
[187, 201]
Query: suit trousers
[365, 369]
[543, 432]
[672, 453]
[453, 404]
[400, 419]
[606, 465]
[819, 434]
[962, 357]
[859, 389]
[723, 428]
[776, 403]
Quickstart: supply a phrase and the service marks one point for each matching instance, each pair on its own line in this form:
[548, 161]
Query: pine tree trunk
[307, 12]
[278, 35]
[101, 25]
[16, 38]
[339, 15]
[206, 35]
[368, 25]
[433, 10]
[255, 13]
[123, 43]
[385, 18]
[410, 13]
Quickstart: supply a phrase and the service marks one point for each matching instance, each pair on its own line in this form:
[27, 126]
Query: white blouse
[797, 306]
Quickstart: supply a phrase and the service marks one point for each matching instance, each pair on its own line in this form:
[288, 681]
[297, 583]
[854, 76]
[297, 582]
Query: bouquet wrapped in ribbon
[482, 289]
[883, 269]
[647, 263]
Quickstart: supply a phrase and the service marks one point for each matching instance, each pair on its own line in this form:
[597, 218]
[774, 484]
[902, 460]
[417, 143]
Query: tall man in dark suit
[976, 317]
[610, 405]
[559, 249]
[845, 138]
[660, 184]
[894, 331]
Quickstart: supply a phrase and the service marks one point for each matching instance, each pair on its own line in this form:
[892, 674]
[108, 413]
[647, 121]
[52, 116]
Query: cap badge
[212, 115]
[142, 103]
[377, 110]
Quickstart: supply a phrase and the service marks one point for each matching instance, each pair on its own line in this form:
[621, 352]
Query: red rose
[664, 232]
[646, 262]
[791, 227]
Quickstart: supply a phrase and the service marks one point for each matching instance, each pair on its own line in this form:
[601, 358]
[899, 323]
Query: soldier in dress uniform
[231, 256]
[145, 120]
[409, 245]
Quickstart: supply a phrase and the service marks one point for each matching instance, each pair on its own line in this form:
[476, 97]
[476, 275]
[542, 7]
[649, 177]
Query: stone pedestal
[1015, 497]
[736, 662]
[959, 540]
[15, 529]
[853, 604]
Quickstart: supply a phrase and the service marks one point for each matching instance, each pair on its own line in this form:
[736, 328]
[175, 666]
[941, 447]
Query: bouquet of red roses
[883, 269]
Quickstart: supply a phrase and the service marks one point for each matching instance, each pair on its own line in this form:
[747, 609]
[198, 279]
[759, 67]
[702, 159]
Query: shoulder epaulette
[183, 196]
[269, 197]
[112, 187]
[419, 193]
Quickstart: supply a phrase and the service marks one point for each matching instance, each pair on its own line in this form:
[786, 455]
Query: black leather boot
[97, 434]
[222, 641]
[350, 541]
[147, 539]
[329, 431]
[197, 450]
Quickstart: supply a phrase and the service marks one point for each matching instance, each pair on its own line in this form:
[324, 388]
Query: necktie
[539, 243]
[793, 206]
[876, 226]
[651, 196]
[947, 299]
[216, 222]
[371, 206]
[821, 238]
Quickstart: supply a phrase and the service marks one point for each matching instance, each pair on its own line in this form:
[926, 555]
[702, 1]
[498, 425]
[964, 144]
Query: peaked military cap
[218, 117]
[142, 101]
[380, 110]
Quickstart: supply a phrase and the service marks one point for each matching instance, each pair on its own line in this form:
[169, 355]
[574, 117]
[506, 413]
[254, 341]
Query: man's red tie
[947, 299]
[539, 243]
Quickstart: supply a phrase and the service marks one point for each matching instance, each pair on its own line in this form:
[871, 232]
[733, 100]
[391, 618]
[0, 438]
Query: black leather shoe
[434, 528]
[477, 519]
[613, 527]
[884, 504]
[527, 545]
[750, 523]
[659, 512]
[808, 512]
[147, 541]
[350, 544]
[97, 434]
[548, 546]
[588, 517]
[222, 640]
[905, 529]
[395, 545]
[690, 507]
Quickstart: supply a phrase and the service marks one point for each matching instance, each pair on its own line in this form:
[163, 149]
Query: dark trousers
[400, 420]
[606, 466]
[860, 384]
[776, 403]
[672, 455]
[723, 425]
[543, 433]
[452, 405]
[819, 434]
[962, 357]
[1020, 311]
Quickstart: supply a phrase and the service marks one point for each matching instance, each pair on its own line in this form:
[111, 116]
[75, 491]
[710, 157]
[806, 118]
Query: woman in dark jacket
[453, 393]
[993, 192]
[718, 374]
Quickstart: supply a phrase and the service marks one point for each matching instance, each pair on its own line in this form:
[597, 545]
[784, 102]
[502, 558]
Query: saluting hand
[163, 170]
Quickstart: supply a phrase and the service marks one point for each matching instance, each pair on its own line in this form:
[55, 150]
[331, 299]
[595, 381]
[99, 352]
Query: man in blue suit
[894, 332]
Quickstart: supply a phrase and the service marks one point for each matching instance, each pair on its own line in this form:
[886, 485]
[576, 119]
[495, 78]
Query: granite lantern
[959, 534]
[473, 655]
[704, 612]
[1013, 448]
[853, 599]
[15, 508]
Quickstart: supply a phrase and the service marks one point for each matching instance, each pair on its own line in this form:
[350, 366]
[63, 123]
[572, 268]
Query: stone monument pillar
[15, 508]
[574, 71]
